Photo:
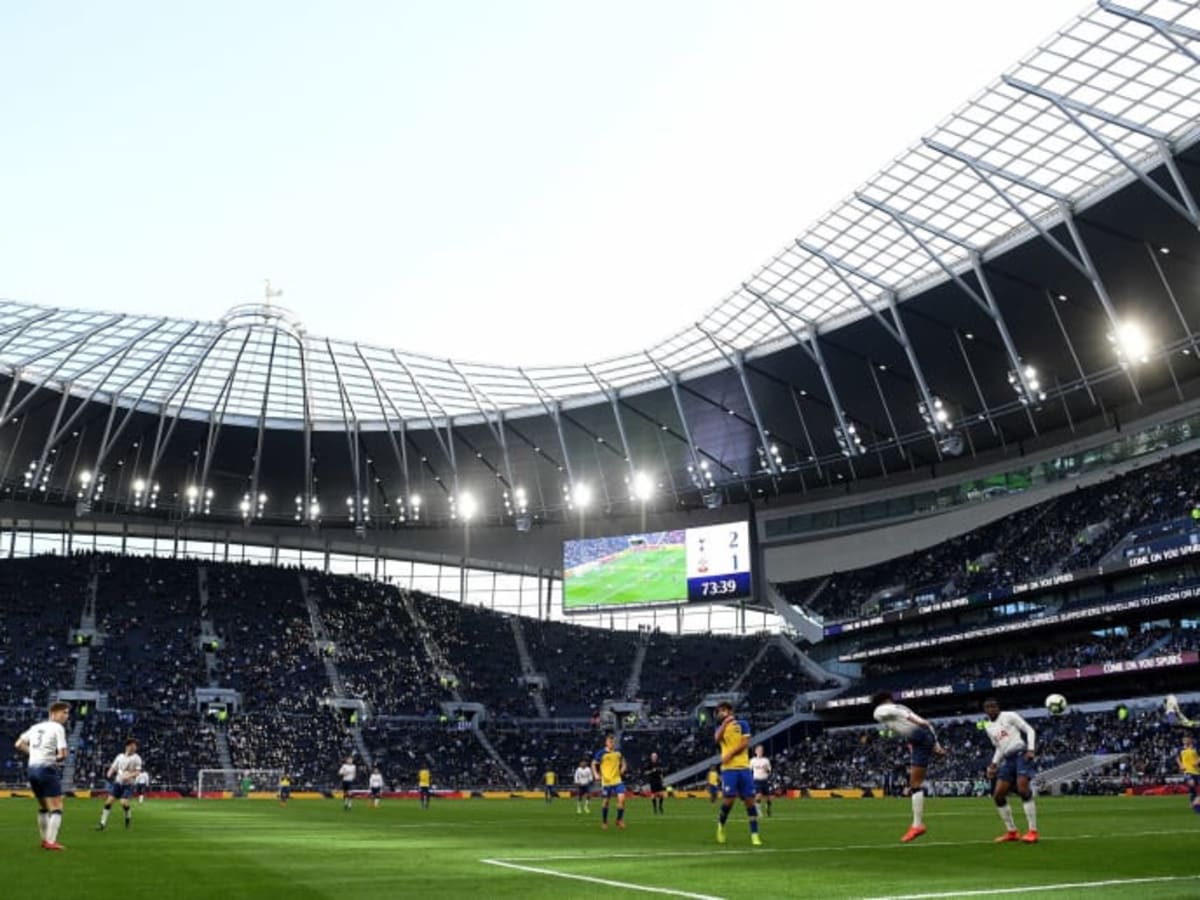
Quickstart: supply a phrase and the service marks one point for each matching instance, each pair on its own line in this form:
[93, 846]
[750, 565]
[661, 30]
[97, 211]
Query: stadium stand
[1066, 533]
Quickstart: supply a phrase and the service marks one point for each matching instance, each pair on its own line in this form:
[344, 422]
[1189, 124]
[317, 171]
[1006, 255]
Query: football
[1056, 704]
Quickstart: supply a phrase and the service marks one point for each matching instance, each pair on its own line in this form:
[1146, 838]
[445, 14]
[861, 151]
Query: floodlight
[643, 486]
[1131, 343]
[466, 505]
[581, 494]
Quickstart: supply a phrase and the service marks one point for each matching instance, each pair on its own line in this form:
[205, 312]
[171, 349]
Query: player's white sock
[42, 817]
[52, 826]
[104, 816]
[1031, 814]
[1006, 817]
[918, 805]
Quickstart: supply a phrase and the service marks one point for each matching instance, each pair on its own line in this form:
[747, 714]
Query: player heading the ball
[923, 746]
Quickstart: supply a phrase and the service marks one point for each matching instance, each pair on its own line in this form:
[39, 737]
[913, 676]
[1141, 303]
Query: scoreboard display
[718, 562]
[711, 564]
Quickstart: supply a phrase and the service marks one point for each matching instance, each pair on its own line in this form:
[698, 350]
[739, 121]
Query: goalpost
[237, 781]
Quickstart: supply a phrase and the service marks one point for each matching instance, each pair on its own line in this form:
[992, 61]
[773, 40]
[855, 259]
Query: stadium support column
[306, 393]
[110, 436]
[1087, 385]
[215, 422]
[62, 404]
[737, 362]
[553, 409]
[1097, 284]
[812, 349]
[446, 444]
[399, 448]
[117, 355]
[1162, 277]
[614, 402]
[812, 450]
[983, 404]
[673, 382]
[262, 426]
[496, 428]
[350, 420]
[985, 301]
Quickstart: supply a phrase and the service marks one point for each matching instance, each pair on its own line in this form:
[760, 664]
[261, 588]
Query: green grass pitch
[648, 576]
[1104, 847]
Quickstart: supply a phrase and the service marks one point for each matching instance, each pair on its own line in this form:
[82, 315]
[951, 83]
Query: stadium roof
[1111, 96]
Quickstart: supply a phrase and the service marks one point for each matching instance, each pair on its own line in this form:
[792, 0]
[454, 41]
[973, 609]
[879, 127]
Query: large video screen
[694, 565]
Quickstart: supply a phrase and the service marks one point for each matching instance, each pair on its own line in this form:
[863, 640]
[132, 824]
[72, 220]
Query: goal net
[213, 783]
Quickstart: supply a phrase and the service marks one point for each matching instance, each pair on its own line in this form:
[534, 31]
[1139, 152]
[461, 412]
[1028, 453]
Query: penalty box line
[1041, 888]
[606, 882]
[759, 851]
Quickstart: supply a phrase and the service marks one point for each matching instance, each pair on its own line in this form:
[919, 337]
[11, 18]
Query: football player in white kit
[923, 746]
[375, 783]
[760, 766]
[347, 773]
[46, 746]
[121, 775]
[583, 787]
[141, 784]
[1012, 764]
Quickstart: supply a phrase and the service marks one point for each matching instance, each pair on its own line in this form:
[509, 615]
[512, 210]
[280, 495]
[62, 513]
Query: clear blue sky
[510, 181]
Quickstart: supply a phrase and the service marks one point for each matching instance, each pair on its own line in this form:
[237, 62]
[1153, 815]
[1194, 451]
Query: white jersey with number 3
[761, 767]
[1010, 734]
[45, 740]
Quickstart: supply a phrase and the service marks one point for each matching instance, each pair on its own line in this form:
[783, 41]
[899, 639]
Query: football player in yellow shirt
[1189, 765]
[425, 786]
[608, 767]
[733, 737]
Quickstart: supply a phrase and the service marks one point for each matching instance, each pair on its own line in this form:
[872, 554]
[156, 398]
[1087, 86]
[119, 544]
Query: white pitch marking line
[1041, 888]
[584, 857]
[629, 886]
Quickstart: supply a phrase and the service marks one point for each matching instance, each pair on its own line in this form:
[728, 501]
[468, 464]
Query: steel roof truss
[1170, 31]
[1074, 110]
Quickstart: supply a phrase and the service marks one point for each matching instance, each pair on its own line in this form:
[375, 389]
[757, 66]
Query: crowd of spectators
[268, 651]
[774, 683]
[148, 614]
[41, 601]
[1067, 652]
[584, 666]
[1065, 533]
[378, 649]
[310, 747]
[680, 670]
[148, 661]
[480, 649]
